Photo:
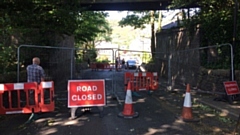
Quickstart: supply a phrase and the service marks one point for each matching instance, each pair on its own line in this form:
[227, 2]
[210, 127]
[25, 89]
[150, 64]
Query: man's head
[36, 60]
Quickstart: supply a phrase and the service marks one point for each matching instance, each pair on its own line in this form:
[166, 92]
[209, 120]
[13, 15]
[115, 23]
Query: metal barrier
[154, 85]
[141, 80]
[128, 76]
[47, 96]
[102, 66]
[93, 66]
[107, 66]
[24, 98]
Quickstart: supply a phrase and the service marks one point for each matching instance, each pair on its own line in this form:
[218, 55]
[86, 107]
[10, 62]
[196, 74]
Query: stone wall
[178, 62]
[174, 62]
[212, 80]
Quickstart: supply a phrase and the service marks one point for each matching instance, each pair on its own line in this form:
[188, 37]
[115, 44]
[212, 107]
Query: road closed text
[87, 97]
[86, 93]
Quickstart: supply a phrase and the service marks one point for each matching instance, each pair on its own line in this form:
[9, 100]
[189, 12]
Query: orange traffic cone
[187, 107]
[128, 111]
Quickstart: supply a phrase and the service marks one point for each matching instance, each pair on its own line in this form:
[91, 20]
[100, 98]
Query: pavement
[226, 109]
[216, 101]
[207, 98]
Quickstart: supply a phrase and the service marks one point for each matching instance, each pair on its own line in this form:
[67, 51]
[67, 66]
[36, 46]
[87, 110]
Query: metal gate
[60, 65]
[185, 66]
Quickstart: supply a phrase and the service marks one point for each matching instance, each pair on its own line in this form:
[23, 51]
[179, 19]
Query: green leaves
[216, 20]
[138, 19]
[39, 22]
[134, 21]
[7, 55]
[92, 26]
[53, 16]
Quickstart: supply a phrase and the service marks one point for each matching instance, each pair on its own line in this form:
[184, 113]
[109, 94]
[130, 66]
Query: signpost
[231, 87]
[86, 93]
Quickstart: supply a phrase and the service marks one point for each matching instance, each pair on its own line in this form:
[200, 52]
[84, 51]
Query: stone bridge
[126, 4]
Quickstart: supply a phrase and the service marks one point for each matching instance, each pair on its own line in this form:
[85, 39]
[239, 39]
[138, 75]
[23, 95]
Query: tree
[216, 20]
[38, 22]
[138, 19]
[92, 27]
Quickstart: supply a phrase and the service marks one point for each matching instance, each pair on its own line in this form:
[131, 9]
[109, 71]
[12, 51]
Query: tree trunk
[153, 46]
[159, 21]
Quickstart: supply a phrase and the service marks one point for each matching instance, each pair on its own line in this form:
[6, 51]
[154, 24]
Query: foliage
[103, 61]
[92, 26]
[180, 4]
[138, 19]
[55, 17]
[7, 56]
[122, 36]
[39, 22]
[84, 55]
[215, 18]
[146, 57]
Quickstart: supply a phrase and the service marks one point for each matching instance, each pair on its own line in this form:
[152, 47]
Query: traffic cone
[187, 107]
[128, 111]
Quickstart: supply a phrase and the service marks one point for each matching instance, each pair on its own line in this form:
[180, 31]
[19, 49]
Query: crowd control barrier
[27, 97]
[47, 96]
[154, 85]
[93, 66]
[106, 66]
[102, 66]
[141, 80]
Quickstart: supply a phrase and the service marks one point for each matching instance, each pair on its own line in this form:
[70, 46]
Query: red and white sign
[231, 87]
[86, 93]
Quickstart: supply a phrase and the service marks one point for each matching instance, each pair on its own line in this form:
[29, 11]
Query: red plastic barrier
[96, 66]
[145, 79]
[128, 76]
[154, 84]
[107, 66]
[93, 66]
[141, 81]
[19, 98]
[47, 96]
[26, 97]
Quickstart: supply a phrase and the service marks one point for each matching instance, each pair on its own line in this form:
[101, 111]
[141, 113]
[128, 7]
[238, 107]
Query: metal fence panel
[203, 68]
[60, 65]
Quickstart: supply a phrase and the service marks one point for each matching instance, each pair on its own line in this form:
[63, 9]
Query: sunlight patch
[224, 112]
[210, 115]
[41, 120]
[153, 131]
[73, 122]
[141, 100]
[179, 121]
[166, 126]
[216, 129]
[49, 131]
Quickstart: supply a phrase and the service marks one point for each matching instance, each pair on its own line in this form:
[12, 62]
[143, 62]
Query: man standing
[35, 73]
[123, 64]
[116, 64]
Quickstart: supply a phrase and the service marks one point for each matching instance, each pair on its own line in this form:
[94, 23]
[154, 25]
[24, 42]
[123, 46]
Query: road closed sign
[231, 87]
[86, 93]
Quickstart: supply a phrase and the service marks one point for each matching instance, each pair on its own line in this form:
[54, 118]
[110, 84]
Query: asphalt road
[157, 115]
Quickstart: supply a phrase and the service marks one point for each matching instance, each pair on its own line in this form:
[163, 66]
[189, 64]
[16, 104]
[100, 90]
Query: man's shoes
[72, 118]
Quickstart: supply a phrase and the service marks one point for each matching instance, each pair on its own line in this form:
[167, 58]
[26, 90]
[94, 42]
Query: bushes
[11, 77]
